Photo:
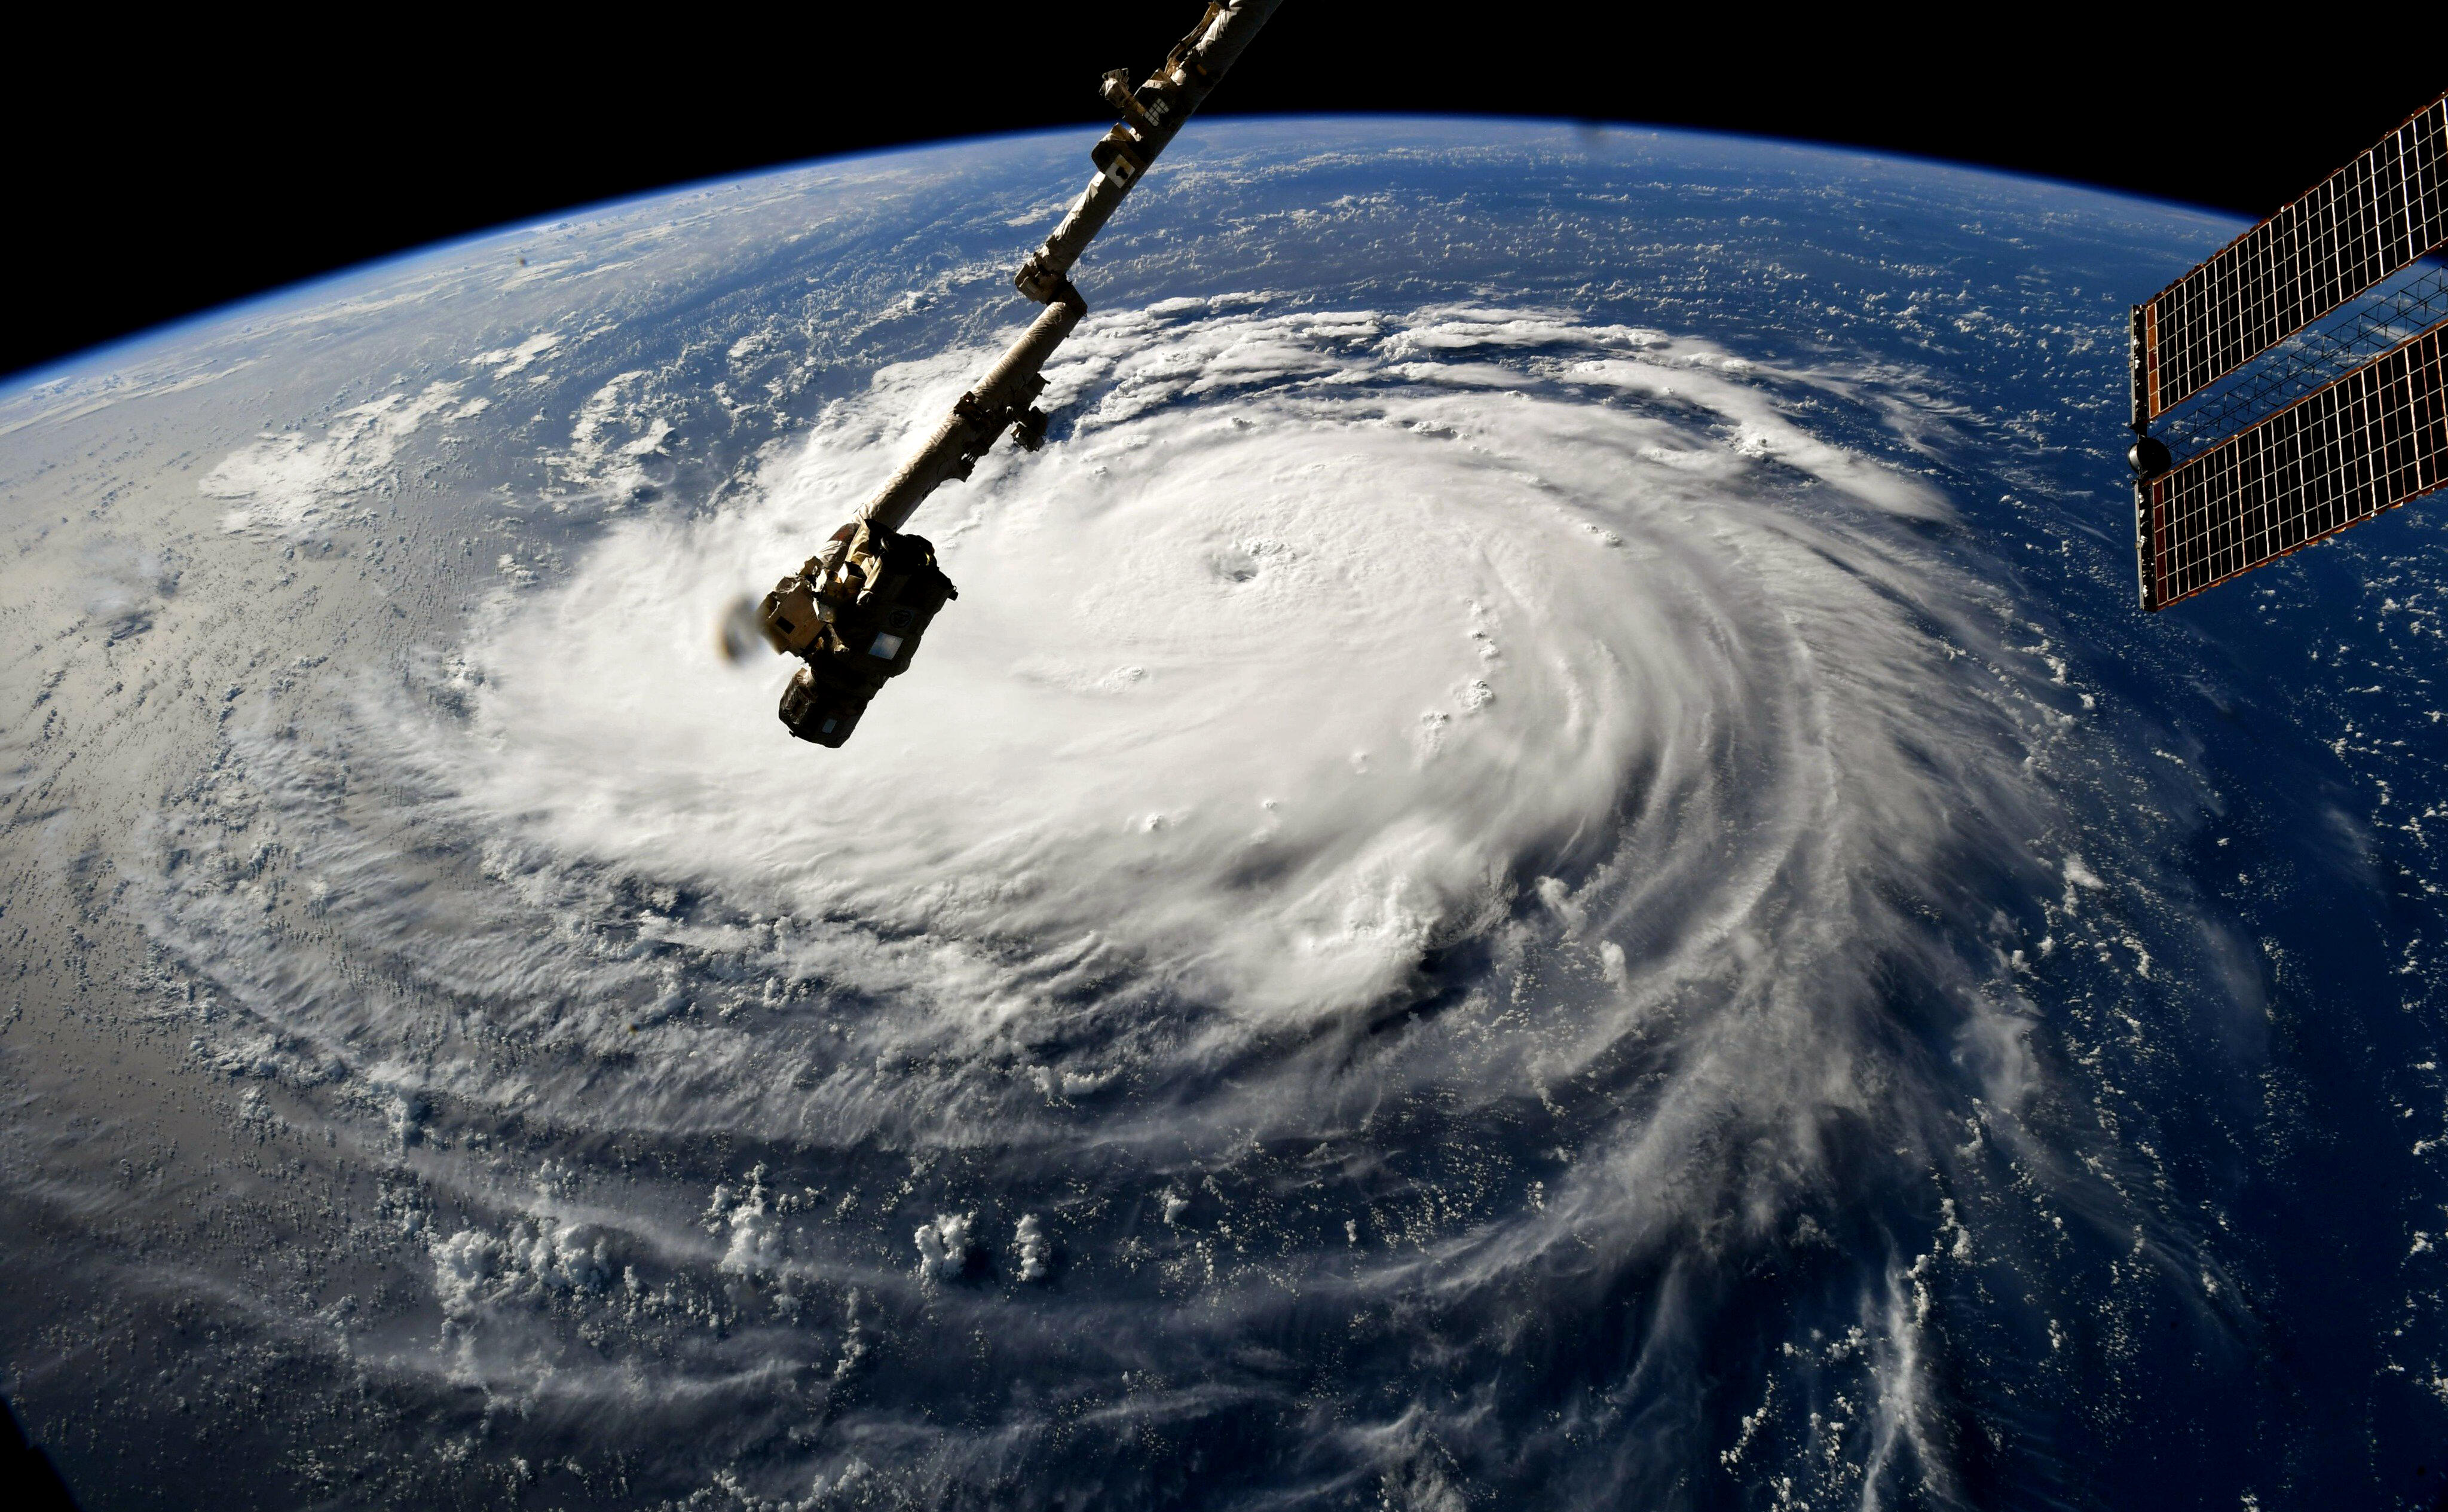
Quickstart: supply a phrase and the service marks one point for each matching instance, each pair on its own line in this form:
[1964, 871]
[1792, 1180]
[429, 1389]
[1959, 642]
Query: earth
[1544, 863]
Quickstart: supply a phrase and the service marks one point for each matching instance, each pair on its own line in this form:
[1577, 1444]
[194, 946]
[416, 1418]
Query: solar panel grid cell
[2372, 217]
[2374, 439]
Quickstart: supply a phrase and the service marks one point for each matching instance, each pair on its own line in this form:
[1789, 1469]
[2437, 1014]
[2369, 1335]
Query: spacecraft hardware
[854, 612]
[2296, 383]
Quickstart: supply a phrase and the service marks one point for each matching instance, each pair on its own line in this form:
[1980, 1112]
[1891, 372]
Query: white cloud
[1365, 599]
[508, 360]
[284, 480]
[944, 1246]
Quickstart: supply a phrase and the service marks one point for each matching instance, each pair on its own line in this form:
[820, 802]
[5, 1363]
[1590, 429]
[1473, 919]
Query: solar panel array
[2375, 217]
[2372, 440]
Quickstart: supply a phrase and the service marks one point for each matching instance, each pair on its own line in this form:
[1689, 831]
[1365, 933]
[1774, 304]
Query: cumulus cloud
[753, 1243]
[1032, 1249]
[612, 440]
[507, 361]
[286, 479]
[944, 1246]
[531, 1262]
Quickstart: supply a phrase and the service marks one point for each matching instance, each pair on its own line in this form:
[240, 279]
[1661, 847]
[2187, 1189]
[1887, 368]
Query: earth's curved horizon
[1544, 862]
[133, 345]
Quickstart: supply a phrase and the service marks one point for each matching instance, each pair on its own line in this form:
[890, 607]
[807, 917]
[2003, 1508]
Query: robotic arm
[854, 612]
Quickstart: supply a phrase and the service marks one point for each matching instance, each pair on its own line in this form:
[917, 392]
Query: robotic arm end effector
[856, 622]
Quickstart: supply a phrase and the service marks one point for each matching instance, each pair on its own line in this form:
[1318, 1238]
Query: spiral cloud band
[1421, 825]
[1321, 641]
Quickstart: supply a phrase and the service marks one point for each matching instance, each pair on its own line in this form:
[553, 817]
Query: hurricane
[1529, 870]
[1419, 822]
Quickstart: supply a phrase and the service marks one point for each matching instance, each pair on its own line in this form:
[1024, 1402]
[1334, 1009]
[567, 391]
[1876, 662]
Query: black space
[29, 1481]
[168, 166]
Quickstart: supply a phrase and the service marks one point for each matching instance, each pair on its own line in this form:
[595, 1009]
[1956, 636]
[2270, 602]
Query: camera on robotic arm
[855, 614]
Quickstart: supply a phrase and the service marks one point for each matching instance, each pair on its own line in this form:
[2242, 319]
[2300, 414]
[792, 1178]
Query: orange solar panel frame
[2370, 441]
[2377, 215]
[2365, 441]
